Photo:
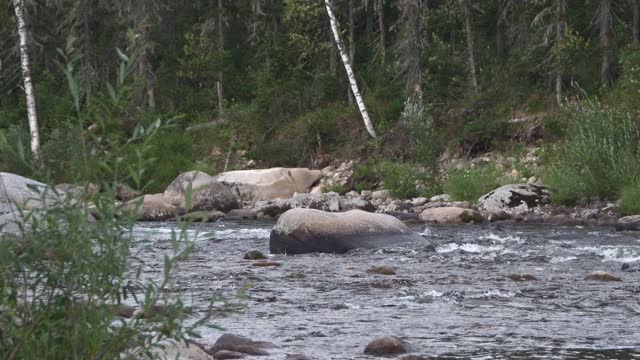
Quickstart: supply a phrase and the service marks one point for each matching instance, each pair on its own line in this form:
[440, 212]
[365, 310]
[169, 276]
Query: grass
[471, 184]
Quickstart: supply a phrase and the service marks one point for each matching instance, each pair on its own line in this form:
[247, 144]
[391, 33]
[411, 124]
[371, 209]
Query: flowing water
[451, 297]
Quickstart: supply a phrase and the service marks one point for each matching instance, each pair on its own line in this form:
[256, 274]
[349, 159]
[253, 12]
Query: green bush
[471, 184]
[599, 157]
[63, 276]
[630, 199]
[406, 180]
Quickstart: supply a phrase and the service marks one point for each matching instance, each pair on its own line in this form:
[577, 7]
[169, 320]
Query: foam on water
[468, 247]
[503, 239]
[237, 234]
[613, 253]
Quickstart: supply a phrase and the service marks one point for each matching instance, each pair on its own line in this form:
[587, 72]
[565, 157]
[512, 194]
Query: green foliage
[422, 132]
[471, 184]
[599, 158]
[337, 188]
[630, 199]
[406, 180]
[63, 275]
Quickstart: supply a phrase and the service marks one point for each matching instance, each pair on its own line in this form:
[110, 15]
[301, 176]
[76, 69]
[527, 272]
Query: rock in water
[450, 215]
[388, 345]
[602, 276]
[240, 344]
[300, 231]
[206, 193]
[151, 208]
[180, 350]
[514, 198]
[267, 184]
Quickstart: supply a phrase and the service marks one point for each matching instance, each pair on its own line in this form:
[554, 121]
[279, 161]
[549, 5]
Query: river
[451, 298]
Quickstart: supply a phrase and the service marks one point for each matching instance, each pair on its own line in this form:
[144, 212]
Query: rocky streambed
[468, 291]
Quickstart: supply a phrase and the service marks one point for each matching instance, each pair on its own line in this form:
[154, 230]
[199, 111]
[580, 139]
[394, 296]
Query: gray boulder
[268, 184]
[514, 198]
[206, 193]
[628, 223]
[331, 202]
[151, 208]
[20, 192]
[300, 231]
[450, 215]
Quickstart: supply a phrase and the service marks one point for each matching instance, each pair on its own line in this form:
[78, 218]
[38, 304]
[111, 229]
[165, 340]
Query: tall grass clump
[630, 199]
[598, 159]
[422, 134]
[406, 180]
[471, 184]
[67, 268]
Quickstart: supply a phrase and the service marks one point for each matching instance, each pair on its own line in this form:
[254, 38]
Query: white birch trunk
[26, 77]
[349, 70]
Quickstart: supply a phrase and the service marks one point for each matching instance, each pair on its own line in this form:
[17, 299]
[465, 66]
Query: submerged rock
[240, 344]
[301, 231]
[382, 270]
[514, 198]
[388, 345]
[180, 351]
[226, 354]
[206, 193]
[267, 184]
[602, 276]
[204, 216]
[450, 215]
[522, 277]
[254, 255]
[631, 267]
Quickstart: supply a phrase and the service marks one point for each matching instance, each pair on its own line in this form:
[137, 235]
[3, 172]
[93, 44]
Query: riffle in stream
[451, 298]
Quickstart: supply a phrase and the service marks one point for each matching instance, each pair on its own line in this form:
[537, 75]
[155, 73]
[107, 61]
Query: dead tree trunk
[347, 66]
[26, 77]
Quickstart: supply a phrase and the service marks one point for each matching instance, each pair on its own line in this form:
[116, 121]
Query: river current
[451, 298]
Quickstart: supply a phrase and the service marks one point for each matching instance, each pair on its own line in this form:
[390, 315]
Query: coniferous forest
[263, 80]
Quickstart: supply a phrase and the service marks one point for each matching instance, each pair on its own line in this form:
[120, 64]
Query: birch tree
[26, 77]
[348, 68]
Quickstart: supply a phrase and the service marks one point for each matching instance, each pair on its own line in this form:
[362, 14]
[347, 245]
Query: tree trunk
[413, 48]
[561, 8]
[381, 29]
[220, 49]
[347, 66]
[26, 77]
[604, 20]
[523, 25]
[636, 21]
[352, 46]
[144, 66]
[466, 15]
[500, 29]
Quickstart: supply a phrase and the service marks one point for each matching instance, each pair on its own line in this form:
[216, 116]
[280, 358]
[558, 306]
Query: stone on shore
[628, 223]
[300, 231]
[268, 184]
[450, 215]
[20, 192]
[331, 202]
[206, 193]
[514, 198]
[152, 208]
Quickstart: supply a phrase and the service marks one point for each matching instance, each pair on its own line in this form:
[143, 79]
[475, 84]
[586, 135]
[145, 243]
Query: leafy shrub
[630, 199]
[599, 157]
[404, 179]
[424, 147]
[471, 184]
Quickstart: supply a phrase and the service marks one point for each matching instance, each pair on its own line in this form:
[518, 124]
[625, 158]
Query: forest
[262, 82]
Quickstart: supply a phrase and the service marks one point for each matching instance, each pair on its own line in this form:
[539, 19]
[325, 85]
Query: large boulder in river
[267, 184]
[514, 198]
[206, 193]
[20, 192]
[450, 215]
[300, 231]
